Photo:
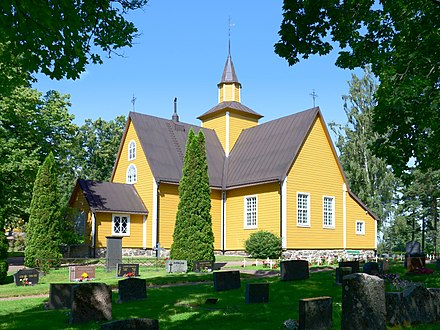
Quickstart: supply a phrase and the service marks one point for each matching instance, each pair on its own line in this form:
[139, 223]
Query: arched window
[132, 150]
[131, 174]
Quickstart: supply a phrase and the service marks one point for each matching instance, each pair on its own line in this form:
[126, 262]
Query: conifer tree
[43, 232]
[193, 238]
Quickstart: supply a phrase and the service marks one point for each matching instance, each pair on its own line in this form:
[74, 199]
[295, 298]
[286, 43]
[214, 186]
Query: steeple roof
[229, 75]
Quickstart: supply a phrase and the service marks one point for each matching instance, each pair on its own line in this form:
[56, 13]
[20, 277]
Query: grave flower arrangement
[129, 274]
[25, 281]
[84, 277]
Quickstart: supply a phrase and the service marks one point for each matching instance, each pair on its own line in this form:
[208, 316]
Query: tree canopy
[400, 39]
[59, 38]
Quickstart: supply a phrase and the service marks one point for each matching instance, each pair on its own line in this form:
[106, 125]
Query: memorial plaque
[353, 264]
[113, 253]
[203, 266]
[176, 266]
[77, 273]
[229, 280]
[294, 270]
[257, 293]
[127, 270]
[29, 276]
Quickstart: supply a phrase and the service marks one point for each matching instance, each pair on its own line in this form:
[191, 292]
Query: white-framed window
[132, 150]
[360, 227]
[131, 174]
[250, 212]
[328, 209]
[303, 209]
[120, 225]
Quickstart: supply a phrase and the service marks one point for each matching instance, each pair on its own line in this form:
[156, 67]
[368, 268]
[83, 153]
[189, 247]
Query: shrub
[263, 244]
[4, 245]
[3, 271]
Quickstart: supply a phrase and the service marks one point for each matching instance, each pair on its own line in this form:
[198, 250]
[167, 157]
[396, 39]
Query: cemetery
[354, 293]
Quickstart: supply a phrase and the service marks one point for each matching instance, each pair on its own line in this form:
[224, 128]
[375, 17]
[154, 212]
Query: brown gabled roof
[164, 144]
[111, 197]
[266, 152]
[233, 105]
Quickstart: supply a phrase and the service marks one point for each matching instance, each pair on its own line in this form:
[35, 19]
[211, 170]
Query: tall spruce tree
[193, 238]
[369, 177]
[43, 232]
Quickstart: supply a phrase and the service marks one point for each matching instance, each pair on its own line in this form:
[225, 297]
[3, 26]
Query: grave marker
[203, 266]
[126, 269]
[91, 302]
[132, 289]
[294, 270]
[371, 268]
[27, 276]
[353, 264]
[229, 280]
[316, 313]
[60, 295]
[176, 266]
[341, 272]
[257, 293]
[77, 273]
[134, 323]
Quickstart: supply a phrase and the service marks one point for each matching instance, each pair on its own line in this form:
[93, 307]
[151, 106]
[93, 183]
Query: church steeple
[229, 87]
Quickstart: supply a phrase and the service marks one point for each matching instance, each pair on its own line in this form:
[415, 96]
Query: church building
[282, 176]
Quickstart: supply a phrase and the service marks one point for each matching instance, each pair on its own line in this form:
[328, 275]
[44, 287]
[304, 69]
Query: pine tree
[43, 232]
[193, 238]
[368, 176]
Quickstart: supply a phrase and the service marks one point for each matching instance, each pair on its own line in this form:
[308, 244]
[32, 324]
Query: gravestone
[132, 289]
[353, 264]
[91, 302]
[124, 269]
[229, 280]
[435, 295]
[419, 305]
[60, 295]
[341, 272]
[413, 248]
[76, 273]
[414, 263]
[384, 267]
[437, 264]
[257, 293]
[363, 302]
[294, 270]
[27, 276]
[396, 314]
[203, 266]
[316, 313]
[371, 268]
[132, 324]
[113, 253]
[176, 266]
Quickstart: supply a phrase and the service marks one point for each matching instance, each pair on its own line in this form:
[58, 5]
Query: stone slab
[203, 266]
[60, 295]
[292, 270]
[132, 289]
[113, 255]
[229, 280]
[371, 268]
[76, 272]
[257, 293]
[353, 264]
[132, 324]
[124, 269]
[91, 302]
[176, 266]
[316, 313]
[27, 276]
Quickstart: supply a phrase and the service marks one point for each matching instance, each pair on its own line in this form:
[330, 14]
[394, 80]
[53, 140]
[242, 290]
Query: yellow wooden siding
[104, 229]
[144, 184]
[237, 93]
[218, 124]
[220, 95]
[315, 172]
[228, 92]
[238, 123]
[216, 216]
[268, 213]
[356, 213]
[168, 202]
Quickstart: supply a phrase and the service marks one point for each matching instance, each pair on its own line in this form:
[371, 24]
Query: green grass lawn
[182, 307]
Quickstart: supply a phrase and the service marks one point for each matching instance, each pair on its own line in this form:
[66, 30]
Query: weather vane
[133, 101]
[314, 96]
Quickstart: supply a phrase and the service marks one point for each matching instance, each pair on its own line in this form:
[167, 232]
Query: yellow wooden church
[283, 176]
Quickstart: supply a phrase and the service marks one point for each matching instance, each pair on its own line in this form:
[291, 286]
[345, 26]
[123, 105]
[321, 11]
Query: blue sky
[181, 53]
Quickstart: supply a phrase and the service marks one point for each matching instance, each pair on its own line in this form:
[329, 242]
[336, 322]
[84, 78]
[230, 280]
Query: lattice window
[131, 174]
[132, 150]
[328, 211]
[360, 227]
[303, 209]
[250, 211]
[121, 225]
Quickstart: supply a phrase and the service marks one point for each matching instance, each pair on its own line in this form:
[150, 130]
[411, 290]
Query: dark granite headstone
[60, 295]
[384, 267]
[363, 302]
[371, 268]
[132, 289]
[176, 266]
[132, 324]
[203, 266]
[316, 313]
[294, 270]
[229, 280]
[353, 264]
[257, 293]
[28, 276]
[124, 269]
[114, 253]
[413, 248]
[341, 272]
[91, 302]
[77, 272]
